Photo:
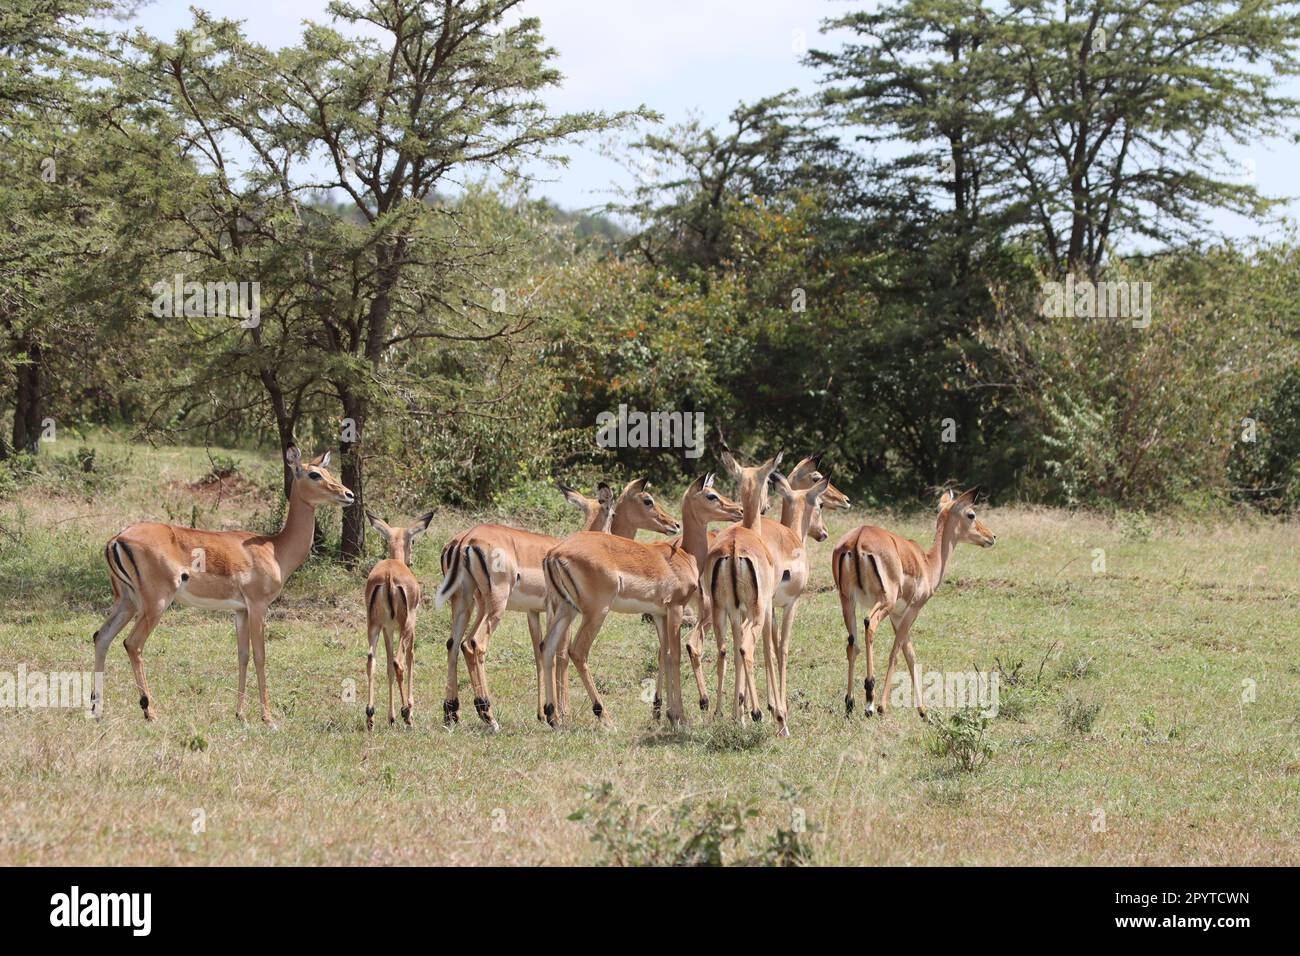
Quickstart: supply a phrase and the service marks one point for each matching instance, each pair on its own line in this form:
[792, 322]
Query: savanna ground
[1148, 712]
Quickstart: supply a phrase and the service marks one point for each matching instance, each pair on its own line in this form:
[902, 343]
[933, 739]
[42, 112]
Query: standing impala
[392, 599]
[494, 568]
[894, 577]
[151, 565]
[593, 574]
[802, 477]
[752, 569]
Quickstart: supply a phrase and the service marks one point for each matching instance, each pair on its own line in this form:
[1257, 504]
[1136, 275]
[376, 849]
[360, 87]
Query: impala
[592, 574]
[752, 569]
[803, 476]
[494, 569]
[392, 597]
[894, 577]
[151, 565]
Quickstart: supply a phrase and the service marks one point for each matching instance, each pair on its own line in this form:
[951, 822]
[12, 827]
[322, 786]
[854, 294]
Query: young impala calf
[392, 599]
[894, 577]
[151, 565]
[593, 574]
[495, 568]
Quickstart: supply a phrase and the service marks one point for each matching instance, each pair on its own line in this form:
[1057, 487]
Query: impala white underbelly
[629, 605]
[210, 604]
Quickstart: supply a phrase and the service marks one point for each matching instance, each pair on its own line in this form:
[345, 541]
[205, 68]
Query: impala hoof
[451, 711]
[704, 704]
[757, 715]
[848, 706]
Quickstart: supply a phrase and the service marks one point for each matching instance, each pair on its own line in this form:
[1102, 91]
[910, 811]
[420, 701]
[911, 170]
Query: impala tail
[453, 572]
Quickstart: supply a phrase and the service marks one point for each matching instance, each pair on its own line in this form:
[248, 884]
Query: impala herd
[732, 580]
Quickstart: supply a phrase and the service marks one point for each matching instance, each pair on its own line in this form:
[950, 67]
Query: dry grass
[1184, 770]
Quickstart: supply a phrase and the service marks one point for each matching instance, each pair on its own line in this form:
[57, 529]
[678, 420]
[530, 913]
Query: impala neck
[293, 542]
[945, 539]
[751, 499]
[797, 516]
[398, 548]
[695, 532]
[621, 526]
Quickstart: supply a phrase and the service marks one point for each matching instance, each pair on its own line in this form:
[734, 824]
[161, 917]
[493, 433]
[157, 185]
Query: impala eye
[649, 502]
[314, 475]
[712, 497]
[971, 515]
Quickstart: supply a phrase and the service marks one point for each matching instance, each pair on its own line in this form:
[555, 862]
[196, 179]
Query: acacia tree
[53, 211]
[1077, 122]
[446, 91]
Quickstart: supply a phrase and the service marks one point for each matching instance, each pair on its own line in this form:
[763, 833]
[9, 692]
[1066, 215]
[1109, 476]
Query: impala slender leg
[695, 651]
[536, 636]
[122, 612]
[242, 640]
[871, 624]
[557, 633]
[849, 610]
[462, 605]
[905, 635]
[394, 673]
[672, 630]
[408, 648]
[720, 639]
[783, 659]
[134, 644]
[770, 663]
[656, 709]
[496, 607]
[373, 630]
[257, 635]
[591, 624]
[889, 672]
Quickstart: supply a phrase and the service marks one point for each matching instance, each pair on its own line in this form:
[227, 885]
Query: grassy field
[1154, 719]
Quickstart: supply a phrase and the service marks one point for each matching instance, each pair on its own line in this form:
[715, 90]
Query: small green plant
[222, 466]
[687, 836]
[1077, 669]
[962, 738]
[1079, 714]
[727, 736]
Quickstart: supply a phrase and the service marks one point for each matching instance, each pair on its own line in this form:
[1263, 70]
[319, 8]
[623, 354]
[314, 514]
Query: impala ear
[604, 494]
[946, 499]
[420, 527]
[781, 484]
[379, 524]
[708, 480]
[636, 486]
[819, 489]
[729, 462]
[293, 458]
[775, 462]
[698, 485]
[967, 497]
[572, 496]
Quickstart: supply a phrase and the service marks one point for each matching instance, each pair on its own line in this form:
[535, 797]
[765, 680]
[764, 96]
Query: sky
[680, 58]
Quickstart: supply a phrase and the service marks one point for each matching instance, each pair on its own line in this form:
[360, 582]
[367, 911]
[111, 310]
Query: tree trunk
[29, 399]
[353, 545]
